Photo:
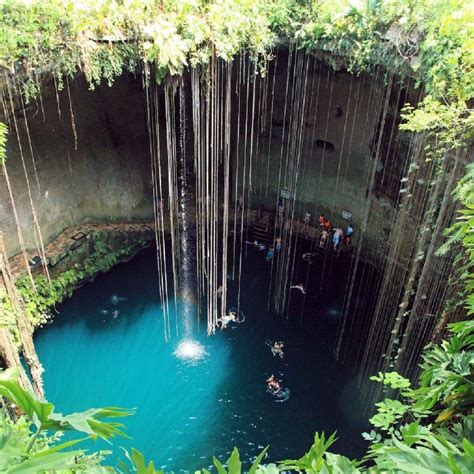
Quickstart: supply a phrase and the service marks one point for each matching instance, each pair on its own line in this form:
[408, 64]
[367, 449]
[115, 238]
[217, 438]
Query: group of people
[274, 385]
[328, 233]
[339, 237]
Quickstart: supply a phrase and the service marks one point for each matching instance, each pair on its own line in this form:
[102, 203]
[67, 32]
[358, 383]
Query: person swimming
[259, 245]
[219, 292]
[226, 319]
[298, 287]
[232, 316]
[115, 299]
[273, 385]
[277, 349]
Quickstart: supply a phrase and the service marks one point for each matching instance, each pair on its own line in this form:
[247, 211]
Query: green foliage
[460, 236]
[446, 387]
[317, 459]
[31, 443]
[418, 450]
[432, 40]
[388, 413]
[430, 425]
[139, 465]
[447, 379]
[103, 38]
[392, 379]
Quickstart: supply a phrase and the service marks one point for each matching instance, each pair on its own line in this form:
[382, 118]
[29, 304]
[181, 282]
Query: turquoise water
[106, 347]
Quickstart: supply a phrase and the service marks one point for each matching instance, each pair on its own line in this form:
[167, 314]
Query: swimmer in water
[114, 299]
[227, 318]
[277, 349]
[219, 292]
[256, 244]
[273, 385]
[307, 257]
[298, 287]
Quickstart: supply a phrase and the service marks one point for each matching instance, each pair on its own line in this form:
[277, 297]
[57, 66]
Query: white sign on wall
[346, 215]
[285, 194]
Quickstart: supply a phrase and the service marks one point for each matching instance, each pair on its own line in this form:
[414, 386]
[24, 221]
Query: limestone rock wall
[105, 178]
[105, 175]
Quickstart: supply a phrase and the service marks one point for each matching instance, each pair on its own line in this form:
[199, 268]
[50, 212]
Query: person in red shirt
[327, 225]
[321, 220]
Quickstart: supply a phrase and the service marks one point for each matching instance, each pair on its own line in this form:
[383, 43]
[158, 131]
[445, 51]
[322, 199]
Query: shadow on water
[187, 413]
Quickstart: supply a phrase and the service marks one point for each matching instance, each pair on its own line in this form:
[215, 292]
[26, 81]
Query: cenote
[106, 347]
[248, 222]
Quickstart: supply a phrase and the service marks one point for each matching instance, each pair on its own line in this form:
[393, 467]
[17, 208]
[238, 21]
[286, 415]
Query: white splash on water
[190, 351]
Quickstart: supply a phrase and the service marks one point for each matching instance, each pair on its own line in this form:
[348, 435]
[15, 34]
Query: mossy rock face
[100, 252]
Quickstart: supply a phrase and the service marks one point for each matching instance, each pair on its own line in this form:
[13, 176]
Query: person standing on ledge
[270, 254]
[278, 244]
[307, 219]
[321, 220]
[240, 203]
[336, 239]
[349, 234]
[323, 238]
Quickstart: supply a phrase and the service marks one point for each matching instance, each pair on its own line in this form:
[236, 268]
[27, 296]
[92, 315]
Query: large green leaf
[219, 466]
[37, 463]
[37, 411]
[235, 466]
[257, 461]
